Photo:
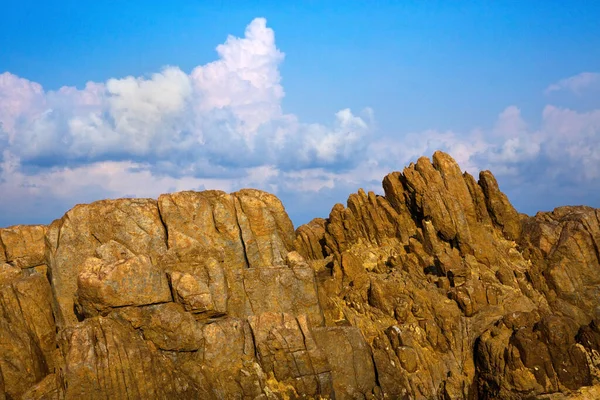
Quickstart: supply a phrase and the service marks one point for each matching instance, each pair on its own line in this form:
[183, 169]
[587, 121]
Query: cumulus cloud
[19, 99]
[576, 83]
[227, 112]
[222, 126]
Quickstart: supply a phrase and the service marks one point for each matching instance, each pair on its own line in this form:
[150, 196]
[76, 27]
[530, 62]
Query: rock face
[438, 289]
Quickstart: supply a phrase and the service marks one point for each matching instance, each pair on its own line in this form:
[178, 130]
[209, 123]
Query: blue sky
[310, 100]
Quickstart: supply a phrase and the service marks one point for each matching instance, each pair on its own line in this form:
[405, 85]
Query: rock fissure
[164, 226]
[242, 241]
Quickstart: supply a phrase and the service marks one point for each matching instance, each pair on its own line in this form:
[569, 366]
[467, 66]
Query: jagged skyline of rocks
[437, 289]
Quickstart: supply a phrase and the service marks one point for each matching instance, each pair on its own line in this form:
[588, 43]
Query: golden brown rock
[134, 223]
[193, 293]
[246, 229]
[9, 273]
[228, 360]
[501, 211]
[309, 238]
[438, 289]
[283, 290]
[349, 357]
[438, 283]
[46, 389]
[136, 281]
[23, 245]
[166, 325]
[2, 387]
[105, 358]
[27, 332]
[287, 351]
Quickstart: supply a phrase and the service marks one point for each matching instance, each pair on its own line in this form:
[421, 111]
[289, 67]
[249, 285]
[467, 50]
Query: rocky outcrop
[437, 289]
[102, 286]
[91, 230]
[457, 294]
[27, 332]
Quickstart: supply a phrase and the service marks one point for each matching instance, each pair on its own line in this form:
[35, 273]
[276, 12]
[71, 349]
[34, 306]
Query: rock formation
[439, 289]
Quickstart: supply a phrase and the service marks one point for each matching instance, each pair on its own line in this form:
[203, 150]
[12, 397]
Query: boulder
[136, 281]
[28, 333]
[24, 245]
[134, 223]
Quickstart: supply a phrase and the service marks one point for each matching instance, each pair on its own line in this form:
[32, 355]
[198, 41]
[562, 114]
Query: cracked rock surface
[438, 289]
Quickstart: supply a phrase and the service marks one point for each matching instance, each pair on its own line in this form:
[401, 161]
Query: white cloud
[19, 99]
[576, 83]
[227, 112]
[563, 149]
[222, 127]
[566, 147]
[245, 79]
[573, 140]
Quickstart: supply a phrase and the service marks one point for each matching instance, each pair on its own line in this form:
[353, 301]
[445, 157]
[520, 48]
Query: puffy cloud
[576, 83]
[554, 164]
[222, 127]
[227, 112]
[20, 99]
[244, 80]
[573, 142]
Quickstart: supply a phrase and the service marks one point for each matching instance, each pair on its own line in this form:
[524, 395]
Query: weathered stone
[286, 290]
[501, 211]
[349, 357]
[28, 333]
[286, 349]
[536, 357]
[228, 360]
[166, 325]
[134, 223]
[8, 273]
[309, 238]
[248, 228]
[24, 245]
[107, 359]
[437, 289]
[113, 251]
[135, 281]
[267, 231]
[46, 389]
[455, 241]
[192, 292]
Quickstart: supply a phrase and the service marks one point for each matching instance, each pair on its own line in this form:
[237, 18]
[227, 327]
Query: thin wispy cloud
[576, 84]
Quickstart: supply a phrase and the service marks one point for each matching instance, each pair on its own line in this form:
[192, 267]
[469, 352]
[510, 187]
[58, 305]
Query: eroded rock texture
[438, 289]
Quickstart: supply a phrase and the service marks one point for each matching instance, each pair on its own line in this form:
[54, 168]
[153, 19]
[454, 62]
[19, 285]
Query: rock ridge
[437, 289]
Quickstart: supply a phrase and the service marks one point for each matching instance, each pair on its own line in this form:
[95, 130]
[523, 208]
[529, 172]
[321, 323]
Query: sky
[309, 100]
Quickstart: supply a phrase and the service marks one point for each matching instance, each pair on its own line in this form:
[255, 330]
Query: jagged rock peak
[425, 194]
